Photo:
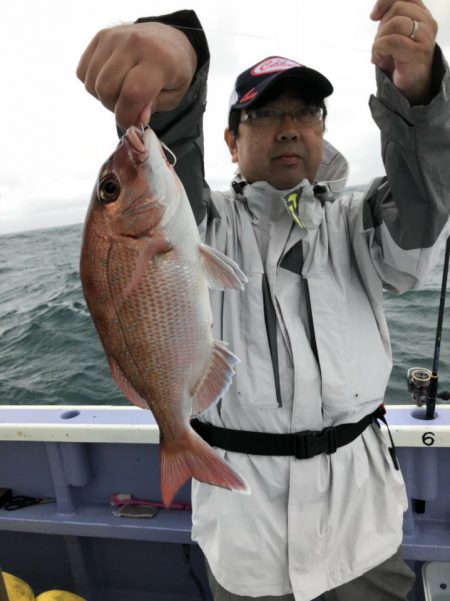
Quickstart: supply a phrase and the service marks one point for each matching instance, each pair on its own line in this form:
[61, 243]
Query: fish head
[134, 187]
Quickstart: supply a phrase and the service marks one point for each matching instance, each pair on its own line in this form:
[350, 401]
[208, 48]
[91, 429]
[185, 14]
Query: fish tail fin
[189, 456]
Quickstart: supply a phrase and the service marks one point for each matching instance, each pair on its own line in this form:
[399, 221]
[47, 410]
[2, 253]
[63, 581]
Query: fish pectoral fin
[217, 379]
[189, 456]
[150, 247]
[125, 386]
[222, 272]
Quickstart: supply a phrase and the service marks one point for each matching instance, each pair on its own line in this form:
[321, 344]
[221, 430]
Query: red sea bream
[145, 276]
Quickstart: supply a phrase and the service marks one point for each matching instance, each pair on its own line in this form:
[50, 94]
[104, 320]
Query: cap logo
[248, 95]
[273, 65]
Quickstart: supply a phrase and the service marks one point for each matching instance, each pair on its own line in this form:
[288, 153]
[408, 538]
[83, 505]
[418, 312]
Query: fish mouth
[136, 140]
[141, 142]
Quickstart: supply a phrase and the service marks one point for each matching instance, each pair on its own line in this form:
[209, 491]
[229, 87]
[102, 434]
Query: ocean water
[50, 352]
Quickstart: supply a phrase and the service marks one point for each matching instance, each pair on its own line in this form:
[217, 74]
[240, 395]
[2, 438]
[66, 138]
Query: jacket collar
[303, 203]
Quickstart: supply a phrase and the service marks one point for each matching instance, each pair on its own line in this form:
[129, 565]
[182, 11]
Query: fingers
[401, 24]
[139, 96]
[86, 58]
[105, 63]
[399, 37]
[406, 28]
[136, 69]
[103, 68]
[404, 45]
[382, 6]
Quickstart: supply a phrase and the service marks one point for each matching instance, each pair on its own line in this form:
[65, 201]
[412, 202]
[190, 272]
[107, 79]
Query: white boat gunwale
[132, 425]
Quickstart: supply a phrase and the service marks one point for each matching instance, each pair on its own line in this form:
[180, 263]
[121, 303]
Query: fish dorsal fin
[222, 272]
[217, 379]
[125, 386]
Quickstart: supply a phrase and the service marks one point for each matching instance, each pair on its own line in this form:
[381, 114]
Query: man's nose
[289, 130]
[288, 134]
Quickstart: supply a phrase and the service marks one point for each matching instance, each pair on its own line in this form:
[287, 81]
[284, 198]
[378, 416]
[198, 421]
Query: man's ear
[230, 139]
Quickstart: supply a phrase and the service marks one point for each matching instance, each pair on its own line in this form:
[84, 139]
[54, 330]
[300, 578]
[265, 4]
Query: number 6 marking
[428, 439]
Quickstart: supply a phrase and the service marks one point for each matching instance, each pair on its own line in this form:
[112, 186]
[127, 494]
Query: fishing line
[172, 154]
[333, 47]
[274, 39]
[233, 33]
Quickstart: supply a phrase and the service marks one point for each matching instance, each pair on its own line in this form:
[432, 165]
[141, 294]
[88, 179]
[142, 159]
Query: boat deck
[81, 455]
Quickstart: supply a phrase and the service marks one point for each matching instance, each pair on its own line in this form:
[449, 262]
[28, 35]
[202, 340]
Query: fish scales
[150, 333]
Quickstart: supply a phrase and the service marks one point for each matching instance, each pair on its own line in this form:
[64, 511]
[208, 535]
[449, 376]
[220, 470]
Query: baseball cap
[251, 85]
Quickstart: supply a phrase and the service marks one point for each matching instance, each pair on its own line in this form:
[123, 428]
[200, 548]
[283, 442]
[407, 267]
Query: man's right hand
[135, 70]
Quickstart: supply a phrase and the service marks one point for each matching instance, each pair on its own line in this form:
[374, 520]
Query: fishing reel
[422, 383]
[418, 381]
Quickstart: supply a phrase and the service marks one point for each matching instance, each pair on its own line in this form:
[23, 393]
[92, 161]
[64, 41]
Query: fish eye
[108, 189]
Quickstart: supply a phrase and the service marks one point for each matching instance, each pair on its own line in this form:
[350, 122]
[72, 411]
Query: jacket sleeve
[182, 129]
[404, 216]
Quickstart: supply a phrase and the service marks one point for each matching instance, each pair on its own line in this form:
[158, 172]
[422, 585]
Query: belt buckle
[309, 443]
[332, 439]
[301, 447]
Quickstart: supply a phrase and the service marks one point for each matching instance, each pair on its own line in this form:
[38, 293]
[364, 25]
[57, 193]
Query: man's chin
[287, 183]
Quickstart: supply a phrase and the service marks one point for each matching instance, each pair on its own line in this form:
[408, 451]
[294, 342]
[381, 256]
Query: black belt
[303, 445]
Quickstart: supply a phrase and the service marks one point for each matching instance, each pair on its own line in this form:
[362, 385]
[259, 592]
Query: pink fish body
[145, 276]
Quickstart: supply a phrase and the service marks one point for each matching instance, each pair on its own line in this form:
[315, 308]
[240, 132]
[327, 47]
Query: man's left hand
[404, 45]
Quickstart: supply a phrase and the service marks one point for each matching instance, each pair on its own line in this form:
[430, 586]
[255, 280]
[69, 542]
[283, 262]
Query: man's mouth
[288, 158]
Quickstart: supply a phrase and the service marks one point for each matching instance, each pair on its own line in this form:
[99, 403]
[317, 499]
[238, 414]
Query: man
[325, 511]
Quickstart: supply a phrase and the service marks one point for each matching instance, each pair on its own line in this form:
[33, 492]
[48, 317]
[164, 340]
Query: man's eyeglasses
[271, 116]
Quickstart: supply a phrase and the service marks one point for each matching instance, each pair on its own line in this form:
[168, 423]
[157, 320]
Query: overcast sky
[55, 135]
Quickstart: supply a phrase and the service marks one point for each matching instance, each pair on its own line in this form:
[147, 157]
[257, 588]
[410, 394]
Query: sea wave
[50, 352]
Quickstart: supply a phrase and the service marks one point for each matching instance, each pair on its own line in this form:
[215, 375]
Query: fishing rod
[423, 383]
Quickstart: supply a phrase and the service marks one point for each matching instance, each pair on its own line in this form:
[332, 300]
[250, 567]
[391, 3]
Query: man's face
[282, 153]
